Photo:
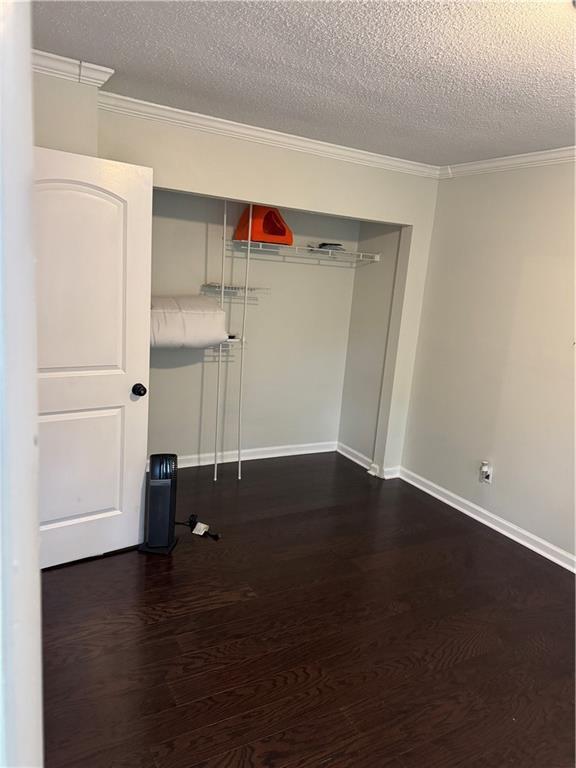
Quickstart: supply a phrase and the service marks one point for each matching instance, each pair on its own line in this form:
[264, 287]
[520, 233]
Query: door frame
[20, 638]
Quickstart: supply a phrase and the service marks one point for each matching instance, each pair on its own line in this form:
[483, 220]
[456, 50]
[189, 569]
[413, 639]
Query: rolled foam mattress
[187, 321]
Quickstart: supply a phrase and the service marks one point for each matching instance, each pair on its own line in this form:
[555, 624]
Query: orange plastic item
[268, 226]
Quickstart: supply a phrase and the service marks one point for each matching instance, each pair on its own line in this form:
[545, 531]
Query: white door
[93, 244]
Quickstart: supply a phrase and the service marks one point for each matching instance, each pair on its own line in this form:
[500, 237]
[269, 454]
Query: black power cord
[191, 524]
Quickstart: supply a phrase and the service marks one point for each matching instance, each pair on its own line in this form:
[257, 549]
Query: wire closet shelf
[233, 293]
[246, 294]
[301, 254]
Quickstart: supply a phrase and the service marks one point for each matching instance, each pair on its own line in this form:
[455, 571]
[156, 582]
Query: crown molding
[509, 163]
[70, 69]
[124, 105]
[93, 74]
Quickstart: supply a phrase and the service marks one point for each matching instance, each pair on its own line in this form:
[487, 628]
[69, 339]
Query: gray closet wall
[367, 339]
[297, 336]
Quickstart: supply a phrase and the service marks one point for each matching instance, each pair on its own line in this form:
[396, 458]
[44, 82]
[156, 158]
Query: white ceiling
[425, 80]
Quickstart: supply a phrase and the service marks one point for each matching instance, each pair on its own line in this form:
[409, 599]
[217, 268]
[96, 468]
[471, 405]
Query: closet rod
[242, 345]
[220, 346]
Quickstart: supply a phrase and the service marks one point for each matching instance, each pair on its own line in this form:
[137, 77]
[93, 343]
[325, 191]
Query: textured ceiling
[426, 80]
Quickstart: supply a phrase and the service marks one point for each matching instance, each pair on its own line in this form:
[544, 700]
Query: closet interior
[315, 329]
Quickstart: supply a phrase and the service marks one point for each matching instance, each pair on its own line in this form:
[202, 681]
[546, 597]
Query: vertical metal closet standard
[220, 346]
[242, 343]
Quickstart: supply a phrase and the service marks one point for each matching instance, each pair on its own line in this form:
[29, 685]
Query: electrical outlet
[486, 472]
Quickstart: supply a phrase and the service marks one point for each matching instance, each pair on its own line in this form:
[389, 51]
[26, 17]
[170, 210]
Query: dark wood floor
[342, 621]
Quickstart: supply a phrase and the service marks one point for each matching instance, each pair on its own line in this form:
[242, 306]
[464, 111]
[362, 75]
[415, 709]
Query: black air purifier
[159, 535]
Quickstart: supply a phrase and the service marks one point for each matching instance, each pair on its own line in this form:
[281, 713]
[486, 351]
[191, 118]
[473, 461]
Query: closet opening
[312, 332]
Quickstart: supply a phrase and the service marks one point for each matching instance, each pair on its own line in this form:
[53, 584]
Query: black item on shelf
[330, 246]
[160, 519]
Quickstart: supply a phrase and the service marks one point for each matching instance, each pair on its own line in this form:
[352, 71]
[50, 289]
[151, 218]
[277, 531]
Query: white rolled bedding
[187, 321]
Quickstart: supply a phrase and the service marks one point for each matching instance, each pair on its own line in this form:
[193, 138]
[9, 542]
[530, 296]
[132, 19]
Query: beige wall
[494, 376]
[209, 164]
[369, 322]
[190, 160]
[65, 115]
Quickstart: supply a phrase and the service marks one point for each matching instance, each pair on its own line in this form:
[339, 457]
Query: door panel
[93, 241]
[90, 446]
[83, 231]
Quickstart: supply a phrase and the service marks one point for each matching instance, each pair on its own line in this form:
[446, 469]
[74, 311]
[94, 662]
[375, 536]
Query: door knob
[139, 390]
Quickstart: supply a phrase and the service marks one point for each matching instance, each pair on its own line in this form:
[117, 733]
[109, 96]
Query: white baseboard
[391, 472]
[249, 454]
[355, 456]
[520, 535]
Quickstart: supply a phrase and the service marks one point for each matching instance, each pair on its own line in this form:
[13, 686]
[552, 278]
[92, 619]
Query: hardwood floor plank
[239, 730]
[75, 730]
[430, 727]
[307, 740]
[63, 659]
[528, 731]
[173, 722]
[431, 704]
[266, 665]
